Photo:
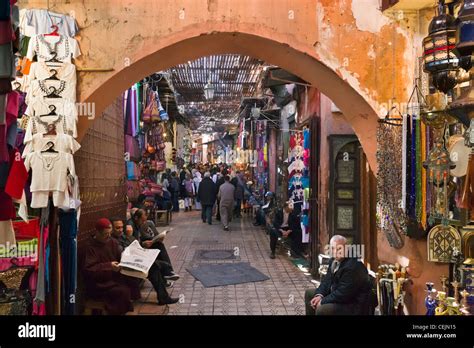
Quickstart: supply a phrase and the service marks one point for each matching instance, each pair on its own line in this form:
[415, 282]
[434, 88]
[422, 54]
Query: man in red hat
[99, 264]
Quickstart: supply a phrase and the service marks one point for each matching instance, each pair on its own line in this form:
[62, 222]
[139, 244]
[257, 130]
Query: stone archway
[354, 106]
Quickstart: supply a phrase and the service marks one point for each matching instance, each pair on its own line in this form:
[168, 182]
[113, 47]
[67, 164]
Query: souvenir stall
[40, 122]
[425, 178]
[146, 132]
[298, 176]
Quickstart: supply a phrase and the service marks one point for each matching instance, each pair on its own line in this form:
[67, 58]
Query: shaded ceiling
[233, 77]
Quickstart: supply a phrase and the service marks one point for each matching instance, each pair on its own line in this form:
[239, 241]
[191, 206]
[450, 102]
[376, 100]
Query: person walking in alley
[238, 196]
[226, 206]
[174, 190]
[207, 194]
[220, 181]
[189, 193]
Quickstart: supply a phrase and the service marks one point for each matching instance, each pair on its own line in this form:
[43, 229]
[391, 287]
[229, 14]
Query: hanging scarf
[412, 211]
[418, 189]
[423, 175]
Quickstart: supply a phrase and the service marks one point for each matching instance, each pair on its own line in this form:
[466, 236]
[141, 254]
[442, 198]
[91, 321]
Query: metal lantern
[439, 165]
[439, 58]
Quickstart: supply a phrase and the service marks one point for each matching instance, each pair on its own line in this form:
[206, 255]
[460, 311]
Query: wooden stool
[92, 305]
[165, 220]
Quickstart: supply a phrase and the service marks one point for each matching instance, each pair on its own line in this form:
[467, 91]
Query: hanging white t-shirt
[39, 125]
[40, 21]
[45, 70]
[44, 88]
[43, 47]
[297, 165]
[49, 170]
[62, 143]
[42, 106]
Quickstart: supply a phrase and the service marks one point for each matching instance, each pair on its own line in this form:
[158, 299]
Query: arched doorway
[354, 106]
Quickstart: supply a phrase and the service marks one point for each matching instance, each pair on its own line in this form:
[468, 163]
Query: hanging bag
[151, 111]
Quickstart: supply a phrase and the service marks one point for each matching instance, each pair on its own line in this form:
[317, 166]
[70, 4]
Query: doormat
[221, 274]
[214, 255]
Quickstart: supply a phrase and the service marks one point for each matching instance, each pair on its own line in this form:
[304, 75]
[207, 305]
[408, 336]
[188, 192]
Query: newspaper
[137, 261]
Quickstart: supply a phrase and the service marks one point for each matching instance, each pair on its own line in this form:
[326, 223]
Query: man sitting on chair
[340, 288]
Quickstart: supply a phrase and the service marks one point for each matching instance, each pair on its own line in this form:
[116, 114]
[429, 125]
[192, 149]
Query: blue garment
[12, 133]
[305, 220]
[307, 139]
[131, 175]
[68, 243]
[303, 179]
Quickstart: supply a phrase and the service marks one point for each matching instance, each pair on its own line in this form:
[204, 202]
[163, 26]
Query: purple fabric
[131, 121]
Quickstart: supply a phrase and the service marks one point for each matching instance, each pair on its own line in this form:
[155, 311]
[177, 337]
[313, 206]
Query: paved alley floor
[282, 294]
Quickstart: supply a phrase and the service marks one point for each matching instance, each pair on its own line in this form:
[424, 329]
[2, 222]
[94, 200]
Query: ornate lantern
[439, 59]
[438, 167]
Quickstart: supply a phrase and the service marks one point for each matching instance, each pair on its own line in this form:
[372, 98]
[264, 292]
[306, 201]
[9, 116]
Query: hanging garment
[44, 88]
[132, 147]
[45, 48]
[7, 209]
[43, 106]
[5, 10]
[6, 32]
[13, 99]
[45, 70]
[27, 230]
[39, 125]
[7, 234]
[307, 139]
[67, 240]
[40, 21]
[17, 176]
[62, 143]
[7, 66]
[50, 174]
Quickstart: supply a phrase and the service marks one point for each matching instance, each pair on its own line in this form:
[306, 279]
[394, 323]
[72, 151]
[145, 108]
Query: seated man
[262, 210]
[144, 231]
[340, 288]
[99, 261]
[157, 270]
[286, 223]
[127, 238]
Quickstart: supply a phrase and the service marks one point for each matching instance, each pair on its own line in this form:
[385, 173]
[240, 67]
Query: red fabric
[3, 144]
[17, 177]
[292, 142]
[26, 230]
[7, 209]
[102, 224]
[6, 32]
